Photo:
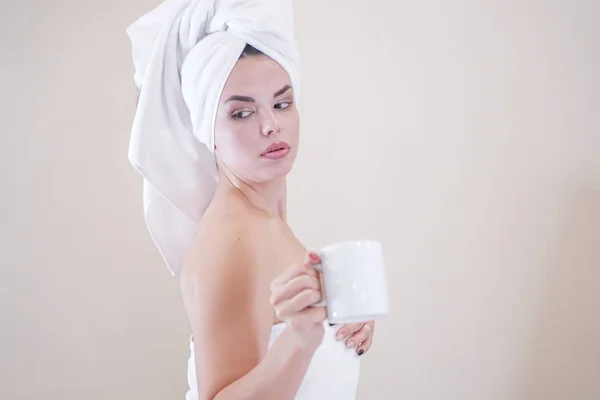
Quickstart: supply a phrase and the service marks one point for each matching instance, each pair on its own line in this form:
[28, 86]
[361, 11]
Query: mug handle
[321, 303]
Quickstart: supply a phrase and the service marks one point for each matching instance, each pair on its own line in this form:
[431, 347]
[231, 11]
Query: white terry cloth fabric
[183, 52]
[332, 374]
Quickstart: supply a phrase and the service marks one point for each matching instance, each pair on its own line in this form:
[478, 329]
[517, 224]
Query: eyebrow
[251, 99]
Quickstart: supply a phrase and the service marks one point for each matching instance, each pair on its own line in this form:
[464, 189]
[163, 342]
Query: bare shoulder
[226, 265]
[225, 242]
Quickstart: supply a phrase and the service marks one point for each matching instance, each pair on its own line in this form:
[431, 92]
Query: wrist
[304, 344]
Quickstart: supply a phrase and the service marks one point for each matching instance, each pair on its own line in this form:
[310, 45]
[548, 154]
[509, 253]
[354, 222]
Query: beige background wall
[463, 134]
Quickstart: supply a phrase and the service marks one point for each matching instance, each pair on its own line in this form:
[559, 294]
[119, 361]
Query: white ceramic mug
[354, 282]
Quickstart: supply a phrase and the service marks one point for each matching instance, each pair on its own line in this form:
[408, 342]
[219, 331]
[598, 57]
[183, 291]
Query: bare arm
[277, 376]
[227, 300]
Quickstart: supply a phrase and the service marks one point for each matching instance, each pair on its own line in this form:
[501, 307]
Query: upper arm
[226, 297]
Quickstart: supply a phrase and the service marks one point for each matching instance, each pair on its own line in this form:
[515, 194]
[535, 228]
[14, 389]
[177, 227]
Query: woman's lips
[276, 151]
[276, 154]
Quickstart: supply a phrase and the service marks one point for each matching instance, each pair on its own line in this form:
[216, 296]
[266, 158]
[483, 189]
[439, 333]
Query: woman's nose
[270, 125]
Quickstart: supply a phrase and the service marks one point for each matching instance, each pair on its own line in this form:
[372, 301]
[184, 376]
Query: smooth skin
[247, 270]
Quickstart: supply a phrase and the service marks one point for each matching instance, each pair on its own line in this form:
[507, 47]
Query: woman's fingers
[294, 270]
[347, 330]
[286, 291]
[293, 292]
[358, 337]
[310, 316]
[312, 258]
[297, 303]
[287, 274]
[366, 344]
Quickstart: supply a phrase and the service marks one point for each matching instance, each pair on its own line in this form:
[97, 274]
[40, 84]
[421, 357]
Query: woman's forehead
[256, 75]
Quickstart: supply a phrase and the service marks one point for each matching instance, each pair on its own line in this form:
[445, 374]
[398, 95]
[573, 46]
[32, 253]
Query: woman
[248, 284]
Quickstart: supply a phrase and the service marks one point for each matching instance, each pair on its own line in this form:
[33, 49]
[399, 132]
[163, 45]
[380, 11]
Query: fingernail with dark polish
[330, 324]
[360, 352]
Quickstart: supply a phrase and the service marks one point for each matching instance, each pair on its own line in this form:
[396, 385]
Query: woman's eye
[241, 114]
[283, 105]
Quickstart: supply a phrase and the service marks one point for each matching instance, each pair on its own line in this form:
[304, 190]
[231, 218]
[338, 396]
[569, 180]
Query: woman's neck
[270, 197]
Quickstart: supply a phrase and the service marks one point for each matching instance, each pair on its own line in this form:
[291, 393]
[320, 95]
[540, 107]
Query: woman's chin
[281, 172]
[274, 172]
[278, 168]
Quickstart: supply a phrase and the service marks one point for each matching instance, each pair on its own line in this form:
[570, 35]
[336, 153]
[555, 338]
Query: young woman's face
[256, 111]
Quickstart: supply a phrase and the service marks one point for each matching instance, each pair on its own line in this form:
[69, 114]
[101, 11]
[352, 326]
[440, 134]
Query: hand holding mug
[293, 294]
[352, 293]
[354, 282]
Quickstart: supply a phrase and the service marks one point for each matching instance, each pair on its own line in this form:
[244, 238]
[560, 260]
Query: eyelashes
[246, 113]
[289, 103]
[241, 114]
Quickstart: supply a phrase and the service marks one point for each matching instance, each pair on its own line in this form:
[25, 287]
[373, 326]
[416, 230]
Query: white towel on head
[183, 52]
